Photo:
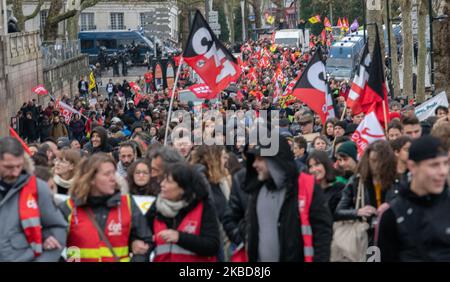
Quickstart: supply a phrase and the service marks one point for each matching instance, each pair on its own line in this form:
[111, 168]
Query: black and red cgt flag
[312, 88]
[375, 92]
[209, 58]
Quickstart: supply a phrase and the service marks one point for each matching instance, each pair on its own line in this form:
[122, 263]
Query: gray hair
[10, 145]
[168, 155]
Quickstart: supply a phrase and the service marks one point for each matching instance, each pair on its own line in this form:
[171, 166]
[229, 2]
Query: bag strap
[101, 233]
[360, 195]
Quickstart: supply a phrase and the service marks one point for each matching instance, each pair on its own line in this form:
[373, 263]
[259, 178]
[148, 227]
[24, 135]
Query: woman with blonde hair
[64, 170]
[103, 223]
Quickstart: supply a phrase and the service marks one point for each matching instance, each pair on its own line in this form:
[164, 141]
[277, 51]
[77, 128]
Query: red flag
[375, 93]
[14, 134]
[202, 91]
[177, 60]
[312, 88]
[324, 36]
[339, 23]
[209, 58]
[368, 131]
[40, 90]
[327, 24]
[239, 95]
[359, 83]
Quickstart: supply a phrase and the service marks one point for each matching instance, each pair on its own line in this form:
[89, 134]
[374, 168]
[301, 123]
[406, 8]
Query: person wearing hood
[183, 219]
[106, 225]
[64, 172]
[277, 231]
[99, 142]
[414, 228]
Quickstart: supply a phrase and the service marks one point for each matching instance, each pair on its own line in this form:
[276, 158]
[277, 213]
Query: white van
[292, 38]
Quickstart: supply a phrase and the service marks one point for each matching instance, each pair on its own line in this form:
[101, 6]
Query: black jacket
[345, 210]
[333, 194]
[289, 226]
[101, 207]
[234, 218]
[208, 242]
[416, 228]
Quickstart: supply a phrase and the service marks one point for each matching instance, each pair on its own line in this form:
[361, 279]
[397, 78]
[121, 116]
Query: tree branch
[35, 12]
[61, 17]
[87, 4]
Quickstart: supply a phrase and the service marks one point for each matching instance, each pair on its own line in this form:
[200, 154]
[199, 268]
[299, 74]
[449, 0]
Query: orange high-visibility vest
[165, 252]
[305, 195]
[83, 234]
[30, 217]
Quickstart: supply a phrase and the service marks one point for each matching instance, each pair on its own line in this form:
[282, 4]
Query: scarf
[168, 208]
[61, 182]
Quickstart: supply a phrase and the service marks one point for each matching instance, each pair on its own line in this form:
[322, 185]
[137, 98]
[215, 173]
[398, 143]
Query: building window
[87, 21]
[43, 15]
[117, 21]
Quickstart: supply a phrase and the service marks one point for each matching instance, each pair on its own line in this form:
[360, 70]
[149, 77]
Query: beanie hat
[348, 148]
[425, 148]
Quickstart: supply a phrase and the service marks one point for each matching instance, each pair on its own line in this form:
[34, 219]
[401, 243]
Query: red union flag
[135, 87]
[209, 58]
[66, 111]
[202, 91]
[368, 131]
[40, 90]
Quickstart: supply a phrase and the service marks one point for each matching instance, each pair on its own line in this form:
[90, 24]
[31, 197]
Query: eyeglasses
[138, 172]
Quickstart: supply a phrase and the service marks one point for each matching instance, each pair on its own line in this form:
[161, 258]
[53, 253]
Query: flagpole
[171, 99]
[385, 117]
[342, 118]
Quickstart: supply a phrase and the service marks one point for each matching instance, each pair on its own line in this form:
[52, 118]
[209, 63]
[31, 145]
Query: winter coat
[415, 229]
[59, 130]
[13, 243]
[289, 225]
[101, 207]
[234, 217]
[205, 244]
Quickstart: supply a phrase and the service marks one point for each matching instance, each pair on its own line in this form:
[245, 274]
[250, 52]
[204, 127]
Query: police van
[114, 41]
[343, 60]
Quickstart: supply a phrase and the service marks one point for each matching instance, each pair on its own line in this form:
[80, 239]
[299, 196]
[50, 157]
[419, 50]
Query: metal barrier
[58, 52]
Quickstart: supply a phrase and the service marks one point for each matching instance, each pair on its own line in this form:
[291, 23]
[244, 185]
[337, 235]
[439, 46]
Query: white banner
[427, 108]
[368, 131]
[144, 202]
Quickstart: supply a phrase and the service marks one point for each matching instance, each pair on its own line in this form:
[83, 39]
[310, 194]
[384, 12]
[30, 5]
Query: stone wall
[62, 78]
[21, 70]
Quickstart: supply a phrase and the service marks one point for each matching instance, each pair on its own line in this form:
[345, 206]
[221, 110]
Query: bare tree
[256, 5]
[422, 51]
[17, 9]
[406, 8]
[441, 51]
[395, 79]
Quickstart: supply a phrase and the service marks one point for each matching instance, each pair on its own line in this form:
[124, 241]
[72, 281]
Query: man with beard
[32, 227]
[160, 160]
[127, 155]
